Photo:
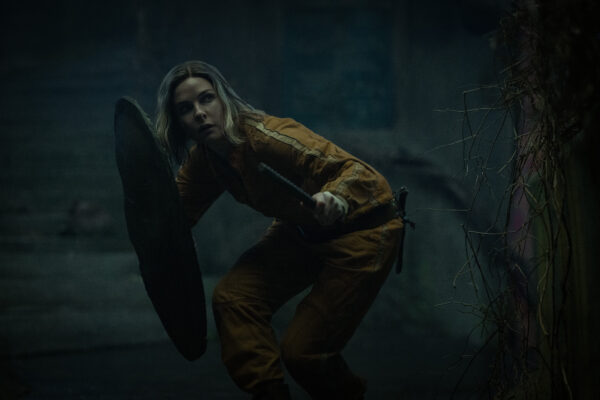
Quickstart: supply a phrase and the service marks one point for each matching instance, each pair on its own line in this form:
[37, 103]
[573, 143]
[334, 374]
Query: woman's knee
[294, 353]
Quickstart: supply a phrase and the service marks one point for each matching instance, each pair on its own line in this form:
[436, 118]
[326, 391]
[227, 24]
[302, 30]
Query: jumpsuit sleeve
[198, 190]
[286, 143]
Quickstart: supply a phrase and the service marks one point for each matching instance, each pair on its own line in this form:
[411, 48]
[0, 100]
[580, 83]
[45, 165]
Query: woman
[344, 247]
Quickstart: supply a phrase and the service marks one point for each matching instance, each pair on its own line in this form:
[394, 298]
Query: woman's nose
[199, 113]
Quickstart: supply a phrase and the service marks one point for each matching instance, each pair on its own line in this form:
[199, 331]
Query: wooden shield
[158, 231]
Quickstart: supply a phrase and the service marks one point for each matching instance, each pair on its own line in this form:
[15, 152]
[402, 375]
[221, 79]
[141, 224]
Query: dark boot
[273, 391]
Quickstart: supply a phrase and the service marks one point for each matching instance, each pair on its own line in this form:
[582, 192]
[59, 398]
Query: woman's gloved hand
[329, 208]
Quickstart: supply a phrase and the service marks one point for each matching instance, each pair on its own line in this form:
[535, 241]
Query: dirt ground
[401, 368]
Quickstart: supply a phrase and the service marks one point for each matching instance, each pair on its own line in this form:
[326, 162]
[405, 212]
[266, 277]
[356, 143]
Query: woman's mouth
[205, 128]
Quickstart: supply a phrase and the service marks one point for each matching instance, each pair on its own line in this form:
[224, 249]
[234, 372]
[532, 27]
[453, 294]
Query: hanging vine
[550, 90]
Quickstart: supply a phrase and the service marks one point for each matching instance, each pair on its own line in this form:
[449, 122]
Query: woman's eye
[183, 109]
[207, 98]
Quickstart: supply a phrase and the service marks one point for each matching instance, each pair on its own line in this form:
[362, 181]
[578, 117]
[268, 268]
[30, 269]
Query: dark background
[382, 79]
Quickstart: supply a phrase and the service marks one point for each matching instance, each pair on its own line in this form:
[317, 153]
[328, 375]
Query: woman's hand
[329, 208]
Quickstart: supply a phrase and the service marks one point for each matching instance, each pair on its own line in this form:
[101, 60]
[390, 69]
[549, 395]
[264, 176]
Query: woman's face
[198, 109]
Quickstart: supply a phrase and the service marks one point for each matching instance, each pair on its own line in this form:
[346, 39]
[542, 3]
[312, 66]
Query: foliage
[550, 88]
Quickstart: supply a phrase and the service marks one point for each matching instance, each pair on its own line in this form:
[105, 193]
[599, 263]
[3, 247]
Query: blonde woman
[344, 247]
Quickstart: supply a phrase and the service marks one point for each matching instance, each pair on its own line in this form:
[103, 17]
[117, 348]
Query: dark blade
[289, 186]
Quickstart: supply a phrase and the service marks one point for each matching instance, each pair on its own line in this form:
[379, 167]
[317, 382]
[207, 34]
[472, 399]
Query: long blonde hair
[235, 109]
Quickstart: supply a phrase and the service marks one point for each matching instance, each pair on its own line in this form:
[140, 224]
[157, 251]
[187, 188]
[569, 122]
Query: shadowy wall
[383, 79]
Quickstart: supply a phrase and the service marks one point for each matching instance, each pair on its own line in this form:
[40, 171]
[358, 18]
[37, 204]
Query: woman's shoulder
[280, 137]
[270, 127]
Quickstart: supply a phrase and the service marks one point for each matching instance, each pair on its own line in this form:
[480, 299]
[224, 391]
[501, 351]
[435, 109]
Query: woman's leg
[354, 269]
[264, 277]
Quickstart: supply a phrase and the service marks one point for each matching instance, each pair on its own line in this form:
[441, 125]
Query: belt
[374, 218]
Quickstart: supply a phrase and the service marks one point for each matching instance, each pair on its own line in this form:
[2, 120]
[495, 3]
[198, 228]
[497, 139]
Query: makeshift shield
[158, 231]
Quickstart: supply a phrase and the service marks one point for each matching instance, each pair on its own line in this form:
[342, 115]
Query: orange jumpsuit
[346, 271]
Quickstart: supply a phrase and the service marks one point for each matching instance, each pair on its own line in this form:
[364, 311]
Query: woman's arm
[295, 150]
[197, 188]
